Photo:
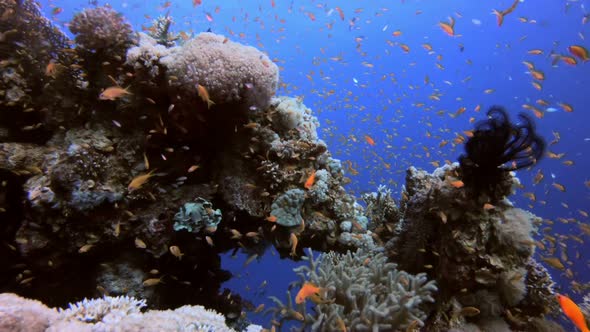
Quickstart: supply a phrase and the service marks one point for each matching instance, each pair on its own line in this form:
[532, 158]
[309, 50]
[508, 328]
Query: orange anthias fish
[500, 14]
[311, 291]
[449, 28]
[573, 312]
[579, 51]
[308, 289]
[310, 180]
[370, 140]
[113, 93]
[139, 181]
[204, 95]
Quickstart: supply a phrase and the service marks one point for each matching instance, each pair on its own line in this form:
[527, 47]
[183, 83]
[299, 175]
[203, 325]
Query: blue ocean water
[355, 75]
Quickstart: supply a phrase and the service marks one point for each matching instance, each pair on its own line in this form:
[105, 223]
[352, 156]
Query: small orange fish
[570, 60]
[558, 186]
[308, 289]
[500, 14]
[457, 184]
[271, 218]
[566, 107]
[152, 282]
[204, 94]
[488, 206]
[52, 68]
[175, 250]
[193, 168]
[448, 28]
[113, 93]
[293, 241]
[579, 51]
[370, 140]
[139, 181]
[340, 12]
[310, 180]
[573, 312]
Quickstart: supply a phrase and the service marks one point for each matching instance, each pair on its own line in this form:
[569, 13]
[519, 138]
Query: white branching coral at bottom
[363, 292]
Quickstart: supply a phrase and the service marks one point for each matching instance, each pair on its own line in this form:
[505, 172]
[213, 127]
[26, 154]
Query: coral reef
[479, 254]
[106, 314]
[33, 53]
[98, 190]
[362, 291]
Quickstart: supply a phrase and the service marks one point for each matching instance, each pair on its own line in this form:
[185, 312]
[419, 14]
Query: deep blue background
[384, 103]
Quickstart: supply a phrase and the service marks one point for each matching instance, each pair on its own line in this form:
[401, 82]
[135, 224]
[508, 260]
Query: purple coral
[101, 28]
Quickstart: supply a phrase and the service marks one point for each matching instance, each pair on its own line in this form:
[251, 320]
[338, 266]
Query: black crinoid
[496, 148]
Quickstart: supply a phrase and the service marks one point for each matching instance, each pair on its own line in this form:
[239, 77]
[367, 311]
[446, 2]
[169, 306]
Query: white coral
[95, 310]
[147, 54]
[231, 72]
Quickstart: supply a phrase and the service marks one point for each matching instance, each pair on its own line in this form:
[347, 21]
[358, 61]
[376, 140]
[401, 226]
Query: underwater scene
[294, 165]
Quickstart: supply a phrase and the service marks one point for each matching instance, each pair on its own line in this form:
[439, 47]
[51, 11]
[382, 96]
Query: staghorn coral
[497, 147]
[160, 31]
[231, 72]
[363, 291]
[102, 29]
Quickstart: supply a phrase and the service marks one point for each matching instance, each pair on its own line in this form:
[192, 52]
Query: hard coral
[106, 314]
[102, 29]
[231, 72]
[364, 292]
[497, 147]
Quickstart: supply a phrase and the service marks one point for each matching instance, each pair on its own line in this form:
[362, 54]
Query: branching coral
[499, 146]
[160, 31]
[364, 292]
[382, 211]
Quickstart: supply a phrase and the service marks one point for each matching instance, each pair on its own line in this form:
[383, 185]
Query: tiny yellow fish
[139, 181]
[139, 243]
[204, 94]
[175, 250]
